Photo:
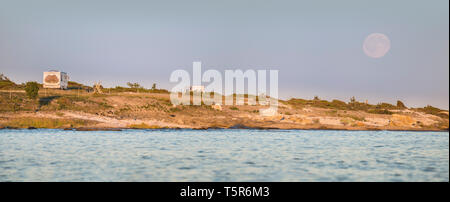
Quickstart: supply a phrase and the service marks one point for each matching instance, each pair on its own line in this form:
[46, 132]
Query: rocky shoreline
[239, 127]
[121, 111]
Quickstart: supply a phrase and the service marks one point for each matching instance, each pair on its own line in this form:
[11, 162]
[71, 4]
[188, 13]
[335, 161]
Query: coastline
[131, 110]
[215, 128]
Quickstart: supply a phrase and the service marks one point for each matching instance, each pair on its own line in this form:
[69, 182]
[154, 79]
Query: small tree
[316, 98]
[134, 85]
[32, 89]
[154, 86]
[352, 99]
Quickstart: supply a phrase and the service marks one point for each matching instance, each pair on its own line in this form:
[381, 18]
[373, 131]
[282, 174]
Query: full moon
[376, 45]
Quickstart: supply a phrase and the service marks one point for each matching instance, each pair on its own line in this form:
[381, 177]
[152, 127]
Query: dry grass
[157, 106]
[144, 126]
[26, 122]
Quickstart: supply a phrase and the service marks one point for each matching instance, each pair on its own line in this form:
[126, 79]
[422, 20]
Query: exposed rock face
[300, 120]
[376, 121]
[268, 112]
[217, 107]
[401, 120]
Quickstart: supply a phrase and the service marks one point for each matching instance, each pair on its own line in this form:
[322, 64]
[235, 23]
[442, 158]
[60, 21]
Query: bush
[337, 104]
[384, 105]
[379, 111]
[434, 111]
[144, 126]
[234, 108]
[32, 89]
[400, 104]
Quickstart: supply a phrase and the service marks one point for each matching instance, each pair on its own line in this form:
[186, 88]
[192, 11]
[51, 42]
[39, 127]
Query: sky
[317, 46]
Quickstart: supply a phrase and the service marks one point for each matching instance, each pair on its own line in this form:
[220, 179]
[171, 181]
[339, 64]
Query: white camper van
[55, 79]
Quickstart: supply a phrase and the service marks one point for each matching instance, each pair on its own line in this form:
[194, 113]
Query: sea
[223, 155]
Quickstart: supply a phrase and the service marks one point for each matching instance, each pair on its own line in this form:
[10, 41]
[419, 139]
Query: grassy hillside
[131, 107]
[6, 84]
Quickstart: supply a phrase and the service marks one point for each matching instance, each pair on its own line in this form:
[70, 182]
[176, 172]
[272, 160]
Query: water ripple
[223, 155]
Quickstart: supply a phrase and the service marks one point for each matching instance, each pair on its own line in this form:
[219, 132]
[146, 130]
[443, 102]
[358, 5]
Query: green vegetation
[25, 122]
[63, 103]
[234, 108]
[144, 126]
[13, 102]
[384, 105]
[434, 111]
[90, 104]
[32, 89]
[400, 105]
[338, 104]
[379, 111]
[57, 105]
[6, 84]
[353, 105]
[134, 85]
[120, 89]
[74, 85]
[334, 104]
[175, 109]
[354, 117]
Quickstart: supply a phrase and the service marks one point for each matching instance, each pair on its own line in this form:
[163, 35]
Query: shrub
[400, 104]
[379, 111]
[144, 126]
[434, 111]
[133, 85]
[32, 89]
[384, 105]
[337, 104]
[234, 108]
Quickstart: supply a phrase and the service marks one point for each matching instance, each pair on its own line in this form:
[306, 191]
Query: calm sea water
[223, 155]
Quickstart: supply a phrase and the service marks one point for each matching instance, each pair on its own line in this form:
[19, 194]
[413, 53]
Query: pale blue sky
[315, 45]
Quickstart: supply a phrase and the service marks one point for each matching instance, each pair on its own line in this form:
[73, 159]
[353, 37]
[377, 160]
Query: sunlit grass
[144, 126]
[26, 122]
